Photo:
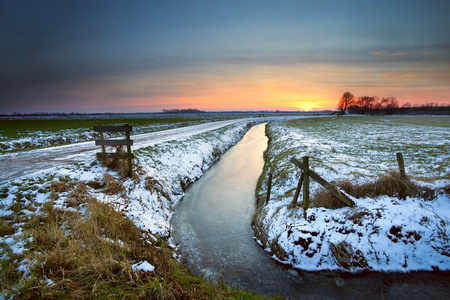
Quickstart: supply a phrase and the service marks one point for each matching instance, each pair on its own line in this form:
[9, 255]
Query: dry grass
[390, 185]
[112, 186]
[119, 165]
[323, 198]
[90, 255]
[154, 185]
[62, 185]
[6, 228]
[347, 257]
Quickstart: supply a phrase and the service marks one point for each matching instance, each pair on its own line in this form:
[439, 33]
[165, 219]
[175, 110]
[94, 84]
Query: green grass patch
[20, 134]
[17, 128]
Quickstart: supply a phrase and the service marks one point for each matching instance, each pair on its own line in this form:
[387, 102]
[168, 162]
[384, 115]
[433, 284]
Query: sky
[145, 56]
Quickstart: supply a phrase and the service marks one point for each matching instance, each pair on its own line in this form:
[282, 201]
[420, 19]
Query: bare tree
[406, 105]
[347, 99]
[365, 103]
[389, 104]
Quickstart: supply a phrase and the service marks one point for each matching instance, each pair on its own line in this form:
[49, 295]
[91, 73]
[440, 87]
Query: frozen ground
[379, 234]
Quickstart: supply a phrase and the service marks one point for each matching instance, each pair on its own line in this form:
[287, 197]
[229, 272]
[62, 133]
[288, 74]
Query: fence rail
[125, 142]
[307, 173]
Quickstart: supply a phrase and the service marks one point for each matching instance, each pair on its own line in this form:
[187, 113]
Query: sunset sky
[145, 56]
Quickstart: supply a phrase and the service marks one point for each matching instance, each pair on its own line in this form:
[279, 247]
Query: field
[18, 134]
[358, 154]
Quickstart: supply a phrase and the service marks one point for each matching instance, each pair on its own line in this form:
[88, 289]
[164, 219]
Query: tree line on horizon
[385, 105]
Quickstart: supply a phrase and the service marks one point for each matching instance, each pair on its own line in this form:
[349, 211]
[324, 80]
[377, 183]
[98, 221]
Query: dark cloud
[62, 52]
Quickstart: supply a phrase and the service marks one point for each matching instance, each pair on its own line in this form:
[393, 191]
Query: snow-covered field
[34, 133]
[163, 171]
[384, 233]
[381, 233]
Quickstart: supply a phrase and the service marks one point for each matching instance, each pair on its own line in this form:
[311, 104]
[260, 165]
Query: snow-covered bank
[379, 234]
[162, 173]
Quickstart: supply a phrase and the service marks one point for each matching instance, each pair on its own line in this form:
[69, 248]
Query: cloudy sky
[145, 55]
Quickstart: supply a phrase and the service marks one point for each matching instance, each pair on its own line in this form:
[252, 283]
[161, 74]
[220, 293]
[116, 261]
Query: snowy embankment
[162, 171]
[381, 233]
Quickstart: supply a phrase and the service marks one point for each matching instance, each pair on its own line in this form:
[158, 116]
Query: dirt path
[14, 165]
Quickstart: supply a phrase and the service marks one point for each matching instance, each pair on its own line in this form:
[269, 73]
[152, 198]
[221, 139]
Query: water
[212, 225]
[213, 221]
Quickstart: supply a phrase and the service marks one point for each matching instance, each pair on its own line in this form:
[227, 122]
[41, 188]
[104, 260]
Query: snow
[144, 266]
[170, 165]
[392, 234]
[382, 233]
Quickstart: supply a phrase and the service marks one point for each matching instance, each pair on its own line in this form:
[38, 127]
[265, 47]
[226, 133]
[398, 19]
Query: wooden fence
[307, 173]
[125, 142]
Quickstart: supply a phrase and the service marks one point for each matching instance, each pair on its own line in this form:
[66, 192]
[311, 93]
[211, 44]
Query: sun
[306, 107]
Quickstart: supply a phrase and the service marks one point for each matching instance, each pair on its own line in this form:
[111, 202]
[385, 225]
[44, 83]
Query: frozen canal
[213, 222]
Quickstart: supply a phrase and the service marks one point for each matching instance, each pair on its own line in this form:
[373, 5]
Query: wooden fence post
[127, 141]
[332, 189]
[269, 186]
[130, 162]
[401, 166]
[102, 136]
[297, 191]
[305, 185]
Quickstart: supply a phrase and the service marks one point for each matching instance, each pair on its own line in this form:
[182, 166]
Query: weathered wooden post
[297, 191]
[401, 167]
[269, 186]
[102, 136]
[332, 189]
[130, 155]
[305, 185]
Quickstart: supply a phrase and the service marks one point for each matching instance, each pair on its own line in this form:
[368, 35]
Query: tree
[365, 103]
[347, 99]
[390, 104]
[406, 105]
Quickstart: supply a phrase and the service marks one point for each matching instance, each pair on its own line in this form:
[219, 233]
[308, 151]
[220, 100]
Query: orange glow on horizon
[256, 89]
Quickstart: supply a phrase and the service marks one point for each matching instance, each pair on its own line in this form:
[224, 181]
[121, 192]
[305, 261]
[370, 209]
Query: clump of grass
[347, 257]
[391, 185]
[64, 184]
[152, 184]
[112, 185]
[6, 228]
[119, 165]
[323, 198]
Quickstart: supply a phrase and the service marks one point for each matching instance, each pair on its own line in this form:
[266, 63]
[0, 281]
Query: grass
[48, 132]
[391, 185]
[17, 127]
[358, 155]
[359, 147]
[346, 257]
[87, 249]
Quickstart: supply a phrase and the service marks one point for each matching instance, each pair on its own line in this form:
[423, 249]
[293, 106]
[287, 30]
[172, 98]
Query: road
[15, 165]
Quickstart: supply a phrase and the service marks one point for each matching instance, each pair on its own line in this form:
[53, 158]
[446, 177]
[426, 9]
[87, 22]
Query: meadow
[358, 154]
[26, 133]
